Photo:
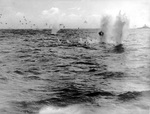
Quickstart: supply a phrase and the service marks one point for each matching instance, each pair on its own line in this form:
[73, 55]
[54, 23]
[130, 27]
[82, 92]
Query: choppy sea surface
[42, 73]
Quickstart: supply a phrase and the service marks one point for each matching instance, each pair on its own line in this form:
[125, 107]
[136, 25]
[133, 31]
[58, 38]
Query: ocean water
[42, 73]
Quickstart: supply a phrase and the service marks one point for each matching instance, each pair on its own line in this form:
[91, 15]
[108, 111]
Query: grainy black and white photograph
[74, 57]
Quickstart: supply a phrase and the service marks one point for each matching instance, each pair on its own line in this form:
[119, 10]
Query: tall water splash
[120, 28]
[55, 29]
[104, 27]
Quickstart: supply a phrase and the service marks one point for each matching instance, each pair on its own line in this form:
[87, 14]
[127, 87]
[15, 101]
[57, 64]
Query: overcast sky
[71, 13]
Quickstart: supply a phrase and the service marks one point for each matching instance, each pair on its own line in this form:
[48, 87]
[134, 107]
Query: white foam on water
[92, 40]
[77, 109]
[82, 41]
[88, 41]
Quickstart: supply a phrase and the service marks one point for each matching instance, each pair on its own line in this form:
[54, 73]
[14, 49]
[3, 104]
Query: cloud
[48, 11]
[53, 15]
[73, 15]
[95, 16]
[19, 14]
[75, 8]
[52, 11]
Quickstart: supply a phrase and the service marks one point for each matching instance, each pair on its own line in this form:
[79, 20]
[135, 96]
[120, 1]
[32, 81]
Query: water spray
[105, 21]
[119, 31]
[55, 29]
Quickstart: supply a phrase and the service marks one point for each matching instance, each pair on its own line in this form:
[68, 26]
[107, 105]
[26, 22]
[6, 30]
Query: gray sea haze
[45, 74]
